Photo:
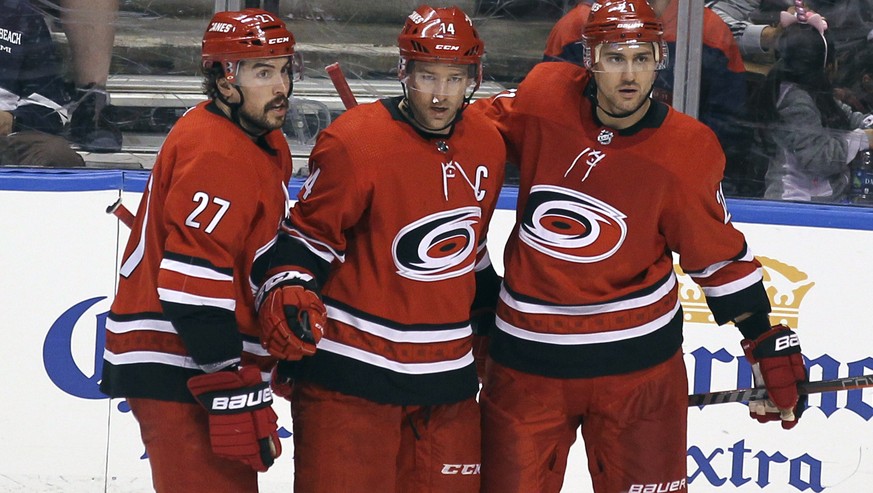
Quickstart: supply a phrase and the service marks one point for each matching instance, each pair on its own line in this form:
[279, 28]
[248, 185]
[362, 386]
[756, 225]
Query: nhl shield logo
[605, 137]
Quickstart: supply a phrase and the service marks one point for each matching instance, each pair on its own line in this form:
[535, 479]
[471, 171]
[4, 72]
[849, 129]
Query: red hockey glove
[777, 364]
[281, 385]
[292, 321]
[242, 425]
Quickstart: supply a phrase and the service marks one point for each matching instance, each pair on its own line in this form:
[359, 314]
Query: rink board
[60, 253]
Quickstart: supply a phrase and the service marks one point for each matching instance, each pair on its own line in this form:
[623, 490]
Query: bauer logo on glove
[777, 365]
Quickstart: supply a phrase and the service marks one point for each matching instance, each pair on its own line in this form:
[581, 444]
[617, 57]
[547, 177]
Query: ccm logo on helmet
[447, 47]
[242, 401]
[462, 469]
[220, 27]
[276, 41]
[786, 342]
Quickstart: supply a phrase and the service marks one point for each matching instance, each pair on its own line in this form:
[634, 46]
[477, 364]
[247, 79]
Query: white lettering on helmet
[416, 18]
[220, 27]
[629, 25]
[447, 47]
[276, 41]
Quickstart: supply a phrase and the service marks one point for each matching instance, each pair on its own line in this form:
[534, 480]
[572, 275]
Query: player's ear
[225, 88]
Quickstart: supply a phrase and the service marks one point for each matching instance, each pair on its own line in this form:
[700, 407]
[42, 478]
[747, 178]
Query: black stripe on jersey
[353, 377]
[752, 299]
[148, 381]
[588, 360]
[197, 261]
[391, 323]
[134, 317]
[289, 253]
[641, 293]
[210, 334]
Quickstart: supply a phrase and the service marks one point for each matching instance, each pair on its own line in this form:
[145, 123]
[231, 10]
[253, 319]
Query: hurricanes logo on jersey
[571, 225]
[439, 246]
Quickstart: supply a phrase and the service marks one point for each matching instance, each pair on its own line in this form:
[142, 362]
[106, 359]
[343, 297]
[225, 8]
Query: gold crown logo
[786, 287]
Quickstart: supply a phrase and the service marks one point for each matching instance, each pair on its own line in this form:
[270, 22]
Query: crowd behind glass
[800, 131]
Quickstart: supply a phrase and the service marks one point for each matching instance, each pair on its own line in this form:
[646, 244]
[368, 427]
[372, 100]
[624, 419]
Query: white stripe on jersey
[394, 335]
[712, 269]
[255, 348]
[134, 357]
[382, 362]
[143, 324]
[321, 249]
[197, 271]
[735, 286]
[595, 338]
[483, 262]
[182, 298]
[581, 310]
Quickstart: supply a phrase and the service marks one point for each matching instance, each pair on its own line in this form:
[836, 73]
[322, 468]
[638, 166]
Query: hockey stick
[121, 212]
[341, 85]
[757, 394]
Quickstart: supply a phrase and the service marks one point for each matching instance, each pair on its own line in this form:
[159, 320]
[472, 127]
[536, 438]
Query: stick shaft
[805, 388]
[121, 212]
[341, 85]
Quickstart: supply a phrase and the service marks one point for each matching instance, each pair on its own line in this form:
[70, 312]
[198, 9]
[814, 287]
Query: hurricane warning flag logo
[571, 225]
[439, 246]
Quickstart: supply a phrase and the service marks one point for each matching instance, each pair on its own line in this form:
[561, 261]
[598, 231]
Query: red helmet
[251, 33]
[443, 35]
[622, 21]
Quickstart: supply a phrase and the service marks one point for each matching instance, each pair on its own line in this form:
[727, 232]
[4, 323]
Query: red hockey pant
[344, 443]
[633, 426]
[176, 438]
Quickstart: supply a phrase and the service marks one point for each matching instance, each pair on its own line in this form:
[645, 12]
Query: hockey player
[612, 184]
[389, 231]
[182, 338]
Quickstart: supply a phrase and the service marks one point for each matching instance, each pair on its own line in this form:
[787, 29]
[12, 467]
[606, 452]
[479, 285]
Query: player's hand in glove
[777, 364]
[242, 423]
[292, 317]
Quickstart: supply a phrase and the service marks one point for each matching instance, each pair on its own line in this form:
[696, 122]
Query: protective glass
[441, 82]
[626, 57]
[264, 72]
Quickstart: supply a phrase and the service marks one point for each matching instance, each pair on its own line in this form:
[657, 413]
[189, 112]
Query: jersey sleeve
[331, 201]
[211, 200]
[697, 226]
[500, 108]
[563, 42]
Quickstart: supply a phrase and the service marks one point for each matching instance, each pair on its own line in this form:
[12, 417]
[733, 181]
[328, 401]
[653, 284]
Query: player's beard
[261, 122]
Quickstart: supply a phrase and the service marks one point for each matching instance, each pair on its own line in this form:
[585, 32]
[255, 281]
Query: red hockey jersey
[402, 216]
[212, 205]
[589, 286]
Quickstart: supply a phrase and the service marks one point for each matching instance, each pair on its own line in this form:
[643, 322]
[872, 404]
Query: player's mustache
[279, 101]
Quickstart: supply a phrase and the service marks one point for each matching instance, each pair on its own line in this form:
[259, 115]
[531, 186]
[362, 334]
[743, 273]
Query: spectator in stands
[755, 23]
[32, 91]
[90, 29]
[855, 87]
[808, 137]
[89, 26]
[722, 85]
